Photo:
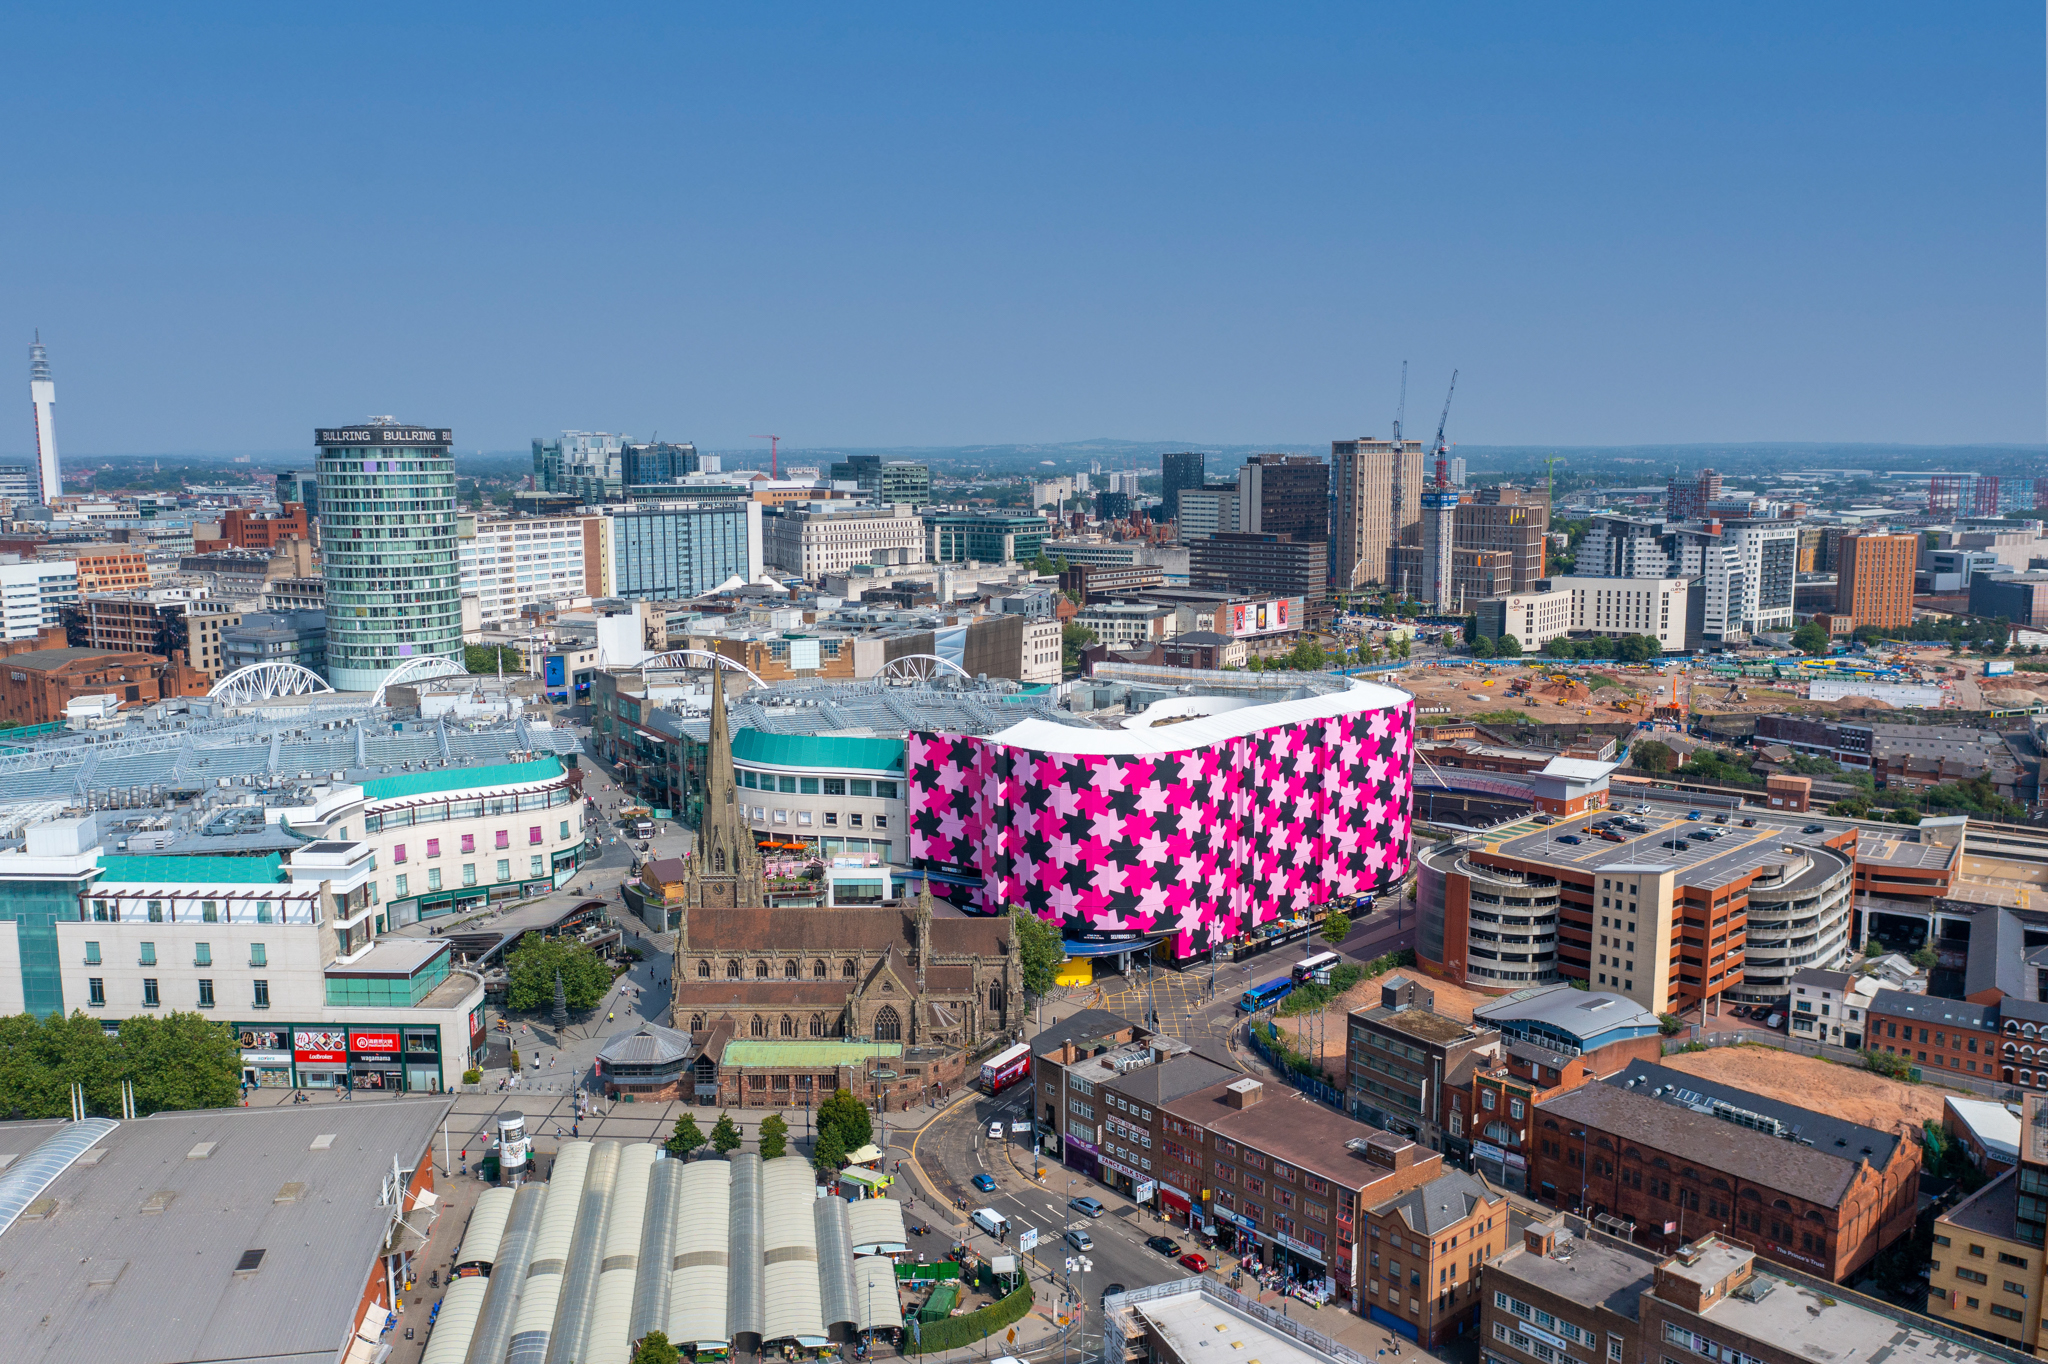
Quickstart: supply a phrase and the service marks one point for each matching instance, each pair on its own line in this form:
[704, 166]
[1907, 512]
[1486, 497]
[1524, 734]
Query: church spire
[722, 837]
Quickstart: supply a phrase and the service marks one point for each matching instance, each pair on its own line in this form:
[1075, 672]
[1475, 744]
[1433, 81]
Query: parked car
[1749, 823]
[1774, 1020]
[1692, 814]
[1701, 835]
[1642, 809]
[1087, 1207]
[1080, 1240]
[1677, 844]
[1165, 1245]
[985, 1183]
[1196, 1261]
[1611, 836]
[1721, 818]
[1814, 829]
[1570, 838]
[1546, 819]
[995, 1131]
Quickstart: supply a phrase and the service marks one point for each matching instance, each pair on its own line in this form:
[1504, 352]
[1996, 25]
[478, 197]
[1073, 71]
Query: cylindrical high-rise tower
[42, 394]
[387, 541]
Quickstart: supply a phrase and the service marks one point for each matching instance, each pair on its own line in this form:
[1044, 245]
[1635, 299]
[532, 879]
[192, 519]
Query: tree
[1038, 943]
[483, 658]
[1508, 647]
[1561, 648]
[1336, 928]
[1811, 639]
[1668, 1024]
[177, 1061]
[1472, 628]
[1074, 637]
[1649, 755]
[532, 965]
[1925, 959]
[828, 1154]
[655, 1349]
[725, 1137]
[1482, 647]
[774, 1138]
[847, 1116]
[685, 1140]
[180, 1061]
[1401, 646]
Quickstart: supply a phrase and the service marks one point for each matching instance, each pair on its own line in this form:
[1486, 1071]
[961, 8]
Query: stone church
[894, 973]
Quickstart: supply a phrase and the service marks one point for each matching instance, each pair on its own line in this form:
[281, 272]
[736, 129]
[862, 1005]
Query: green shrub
[472, 1076]
[1889, 1064]
[958, 1332]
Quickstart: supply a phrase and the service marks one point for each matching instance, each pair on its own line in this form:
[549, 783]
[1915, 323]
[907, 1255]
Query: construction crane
[774, 444]
[1401, 408]
[1437, 447]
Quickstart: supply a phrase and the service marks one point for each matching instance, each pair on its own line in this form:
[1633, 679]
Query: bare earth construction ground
[1858, 1095]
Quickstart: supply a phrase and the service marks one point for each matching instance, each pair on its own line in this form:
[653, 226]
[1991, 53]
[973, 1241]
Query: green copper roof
[815, 750]
[267, 870]
[750, 1053]
[462, 779]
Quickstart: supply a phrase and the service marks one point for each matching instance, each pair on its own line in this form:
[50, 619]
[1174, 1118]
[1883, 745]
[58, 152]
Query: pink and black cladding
[1203, 842]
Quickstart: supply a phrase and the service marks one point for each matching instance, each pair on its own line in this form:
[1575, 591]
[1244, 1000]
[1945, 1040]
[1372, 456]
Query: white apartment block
[1591, 606]
[821, 538]
[32, 594]
[512, 563]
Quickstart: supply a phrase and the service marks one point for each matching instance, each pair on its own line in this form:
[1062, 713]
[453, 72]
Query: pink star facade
[1200, 830]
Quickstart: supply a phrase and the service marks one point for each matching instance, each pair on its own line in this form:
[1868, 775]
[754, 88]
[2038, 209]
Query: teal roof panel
[817, 750]
[267, 870]
[456, 779]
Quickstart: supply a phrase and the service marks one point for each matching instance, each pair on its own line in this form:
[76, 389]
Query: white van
[991, 1221]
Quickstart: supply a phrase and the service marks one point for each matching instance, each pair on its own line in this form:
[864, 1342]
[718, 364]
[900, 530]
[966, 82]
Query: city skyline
[1622, 227]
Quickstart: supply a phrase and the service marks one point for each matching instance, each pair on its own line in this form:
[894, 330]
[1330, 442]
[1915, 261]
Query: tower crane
[1437, 447]
[774, 444]
[1401, 409]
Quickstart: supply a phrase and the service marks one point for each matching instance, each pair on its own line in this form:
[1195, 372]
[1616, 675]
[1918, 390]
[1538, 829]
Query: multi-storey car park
[1679, 914]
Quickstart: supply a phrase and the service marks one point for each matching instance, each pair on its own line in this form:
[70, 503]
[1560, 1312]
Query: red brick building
[1679, 1157]
[264, 530]
[36, 686]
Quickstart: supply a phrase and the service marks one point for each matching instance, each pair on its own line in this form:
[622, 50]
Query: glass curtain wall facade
[387, 503]
[673, 553]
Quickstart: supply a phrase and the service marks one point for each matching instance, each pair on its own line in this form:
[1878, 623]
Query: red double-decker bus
[1006, 1067]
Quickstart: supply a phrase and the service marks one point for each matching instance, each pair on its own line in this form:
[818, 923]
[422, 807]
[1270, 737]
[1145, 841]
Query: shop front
[1174, 1203]
[1283, 1256]
[1126, 1181]
[374, 1060]
[1503, 1168]
[321, 1057]
[1082, 1157]
[564, 865]
[422, 1057]
[266, 1057]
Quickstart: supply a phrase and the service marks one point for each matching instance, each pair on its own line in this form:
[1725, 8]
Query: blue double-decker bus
[1265, 996]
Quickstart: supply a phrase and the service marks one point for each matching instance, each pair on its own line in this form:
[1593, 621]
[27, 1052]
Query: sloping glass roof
[38, 1170]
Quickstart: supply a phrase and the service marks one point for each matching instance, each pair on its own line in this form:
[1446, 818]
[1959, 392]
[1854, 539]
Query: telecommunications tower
[42, 394]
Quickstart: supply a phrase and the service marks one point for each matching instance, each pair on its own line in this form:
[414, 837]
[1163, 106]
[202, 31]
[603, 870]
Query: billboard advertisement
[374, 1043]
[1249, 816]
[555, 671]
[1281, 615]
[328, 1045]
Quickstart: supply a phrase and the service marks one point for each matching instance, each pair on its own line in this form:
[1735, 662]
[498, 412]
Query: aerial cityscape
[1284, 756]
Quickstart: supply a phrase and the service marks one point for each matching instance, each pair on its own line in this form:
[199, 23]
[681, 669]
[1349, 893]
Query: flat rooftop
[1702, 863]
[100, 1278]
[1901, 852]
[1844, 1328]
[1587, 1267]
[1423, 1024]
[1202, 1323]
[1990, 1210]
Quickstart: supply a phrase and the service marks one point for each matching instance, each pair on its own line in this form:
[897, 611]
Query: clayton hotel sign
[383, 435]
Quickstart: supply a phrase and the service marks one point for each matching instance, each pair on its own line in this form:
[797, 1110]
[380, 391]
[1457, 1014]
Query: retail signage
[1175, 1192]
[1486, 1150]
[1027, 1238]
[263, 1039]
[1277, 616]
[1231, 1217]
[266, 1058]
[320, 1044]
[1089, 1147]
[1145, 1189]
[384, 1043]
[1298, 1248]
[1123, 1170]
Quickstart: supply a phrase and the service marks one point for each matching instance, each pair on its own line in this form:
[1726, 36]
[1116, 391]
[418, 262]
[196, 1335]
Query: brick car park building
[1676, 1156]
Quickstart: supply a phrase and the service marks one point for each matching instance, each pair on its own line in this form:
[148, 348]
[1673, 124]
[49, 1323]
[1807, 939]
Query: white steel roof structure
[697, 1284]
[877, 1227]
[877, 1303]
[1045, 736]
[464, 1301]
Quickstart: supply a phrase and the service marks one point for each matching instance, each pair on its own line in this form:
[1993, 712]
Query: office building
[1571, 1283]
[1176, 472]
[1686, 499]
[887, 481]
[388, 535]
[1261, 565]
[1509, 521]
[1611, 607]
[143, 622]
[816, 538]
[1476, 574]
[37, 686]
[1112, 506]
[42, 396]
[1376, 490]
[120, 570]
[984, 537]
[1439, 540]
[276, 637]
[522, 561]
[1804, 1187]
[1875, 585]
[265, 530]
[302, 488]
[1990, 1265]
[1440, 1235]
[1209, 510]
[18, 483]
[1746, 568]
[1285, 495]
[33, 596]
[590, 465]
[1403, 1059]
[2021, 598]
[675, 550]
[656, 462]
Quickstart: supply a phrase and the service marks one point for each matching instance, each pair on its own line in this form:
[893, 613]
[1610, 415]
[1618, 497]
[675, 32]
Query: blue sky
[950, 224]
